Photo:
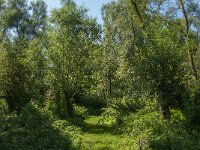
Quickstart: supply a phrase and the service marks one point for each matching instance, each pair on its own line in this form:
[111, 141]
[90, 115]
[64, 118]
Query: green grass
[101, 137]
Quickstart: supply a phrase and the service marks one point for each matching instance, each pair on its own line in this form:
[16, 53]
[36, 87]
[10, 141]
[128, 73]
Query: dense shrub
[174, 140]
[110, 116]
[93, 101]
[3, 107]
[193, 110]
[36, 128]
[80, 111]
[117, 109]
[148, 128]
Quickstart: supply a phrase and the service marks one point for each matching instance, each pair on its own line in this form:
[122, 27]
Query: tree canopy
[137, 74]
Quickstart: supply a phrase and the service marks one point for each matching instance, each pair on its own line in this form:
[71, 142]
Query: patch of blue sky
[93, 6]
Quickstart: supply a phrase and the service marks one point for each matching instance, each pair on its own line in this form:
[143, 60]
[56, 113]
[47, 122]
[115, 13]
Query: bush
[95, 102]
[80, 111]
[193, 110]
[175, 135]
[110, 116]
[3, 107]
[36, 128]
[117, 109]
[148, 128]
[174, 141]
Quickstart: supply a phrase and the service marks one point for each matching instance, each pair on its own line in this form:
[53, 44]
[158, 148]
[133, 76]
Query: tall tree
[118, 37]
[36, 52]
[72, 40]
[17, 33]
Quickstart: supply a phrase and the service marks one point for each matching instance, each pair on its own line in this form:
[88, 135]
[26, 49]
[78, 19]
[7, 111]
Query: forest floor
[101, 137]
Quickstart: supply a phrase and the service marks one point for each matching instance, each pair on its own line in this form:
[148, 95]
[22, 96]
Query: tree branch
[190, 52]
[135, 6]
[185, 16]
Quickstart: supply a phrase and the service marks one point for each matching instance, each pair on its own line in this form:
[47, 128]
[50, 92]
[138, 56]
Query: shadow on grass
[94, 111]
[95, 128]
[33, 129]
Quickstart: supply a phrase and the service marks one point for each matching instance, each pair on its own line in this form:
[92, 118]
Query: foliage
[81, 111]
[3, 107]
[3, 71]
[146, 120]
[139, 70]
[152, 132]
[70, 52]
[192, 110]
[19, 26]
[118, 108]
[93, 103]
[36, 128]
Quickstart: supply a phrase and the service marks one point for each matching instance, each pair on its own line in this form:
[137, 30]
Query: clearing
[101, 137]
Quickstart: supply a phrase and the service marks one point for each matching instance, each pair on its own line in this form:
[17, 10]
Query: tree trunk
[10, 101]
[164, 107]
[69, 105]
[192, 63]
[110, 86]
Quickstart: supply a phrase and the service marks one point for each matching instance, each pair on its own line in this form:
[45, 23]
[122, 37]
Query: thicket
[35, 127]
[139, 69]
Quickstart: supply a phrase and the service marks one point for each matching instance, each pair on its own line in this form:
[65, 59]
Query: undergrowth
[145, 128]
[36, 128]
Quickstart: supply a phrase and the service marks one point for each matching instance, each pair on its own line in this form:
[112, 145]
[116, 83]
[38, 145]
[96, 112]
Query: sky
[94, 6]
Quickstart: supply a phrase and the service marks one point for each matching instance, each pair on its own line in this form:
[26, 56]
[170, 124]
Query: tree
[3, 72]
[118, 37]
[16, 35]
[72, 41]
[36, 52]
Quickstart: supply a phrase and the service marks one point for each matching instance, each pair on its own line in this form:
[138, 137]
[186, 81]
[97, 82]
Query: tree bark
[110, 86]
[69, 105]
[164, 107]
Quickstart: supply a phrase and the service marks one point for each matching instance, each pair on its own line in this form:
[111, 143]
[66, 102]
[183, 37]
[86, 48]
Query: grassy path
[101, 137]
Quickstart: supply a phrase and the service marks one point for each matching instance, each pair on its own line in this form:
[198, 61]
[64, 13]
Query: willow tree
[160, 56]
[72, 40]
[18, 27]
[118, 38]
